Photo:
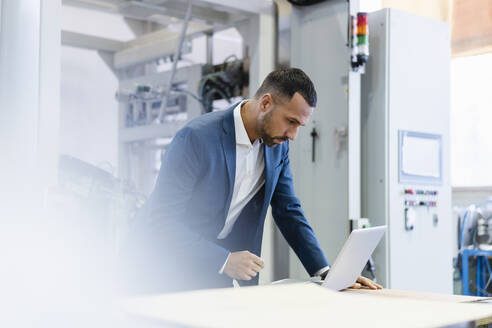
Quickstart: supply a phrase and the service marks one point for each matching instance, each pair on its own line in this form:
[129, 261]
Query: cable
[190, 94]
[229, 57]
[490, 273]
[194, 96]
[463, 229]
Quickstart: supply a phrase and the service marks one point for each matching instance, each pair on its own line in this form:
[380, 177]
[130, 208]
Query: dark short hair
[285, 82]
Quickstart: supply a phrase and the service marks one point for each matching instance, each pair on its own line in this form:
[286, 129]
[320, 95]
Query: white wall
[471, 117]
[225, 43]
[89, 111]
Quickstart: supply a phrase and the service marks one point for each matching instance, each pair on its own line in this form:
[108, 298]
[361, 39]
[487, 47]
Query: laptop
[353, 257]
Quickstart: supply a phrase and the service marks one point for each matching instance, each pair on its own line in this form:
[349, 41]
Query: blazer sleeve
[290, 219]
[165, 215]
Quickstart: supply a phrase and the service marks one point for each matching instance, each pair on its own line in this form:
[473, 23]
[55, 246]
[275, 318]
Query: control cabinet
[405, 150]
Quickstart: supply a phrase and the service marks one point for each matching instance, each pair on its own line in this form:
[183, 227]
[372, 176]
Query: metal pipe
[175, 60]
[147, 6]
[209, 48]
[276, 34]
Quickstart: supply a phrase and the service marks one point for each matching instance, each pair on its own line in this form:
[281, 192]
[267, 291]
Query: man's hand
[366, 282]
[243, 265]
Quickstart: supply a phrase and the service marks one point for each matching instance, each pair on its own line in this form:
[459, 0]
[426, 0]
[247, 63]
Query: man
[203, 224]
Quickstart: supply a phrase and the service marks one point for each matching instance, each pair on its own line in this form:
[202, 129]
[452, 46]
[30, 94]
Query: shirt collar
[241, 134]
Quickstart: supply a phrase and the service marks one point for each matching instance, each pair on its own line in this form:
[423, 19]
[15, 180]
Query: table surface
[425, 296]
[297, 305]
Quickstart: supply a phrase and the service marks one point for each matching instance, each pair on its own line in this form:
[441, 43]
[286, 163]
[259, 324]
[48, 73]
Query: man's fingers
[356, 285]
[366, 282]
[369, 283]
[377, 286]
[374, 285]
[243, 265]
[255, 267]
[258, 260]
[244, 276]
[246, 273]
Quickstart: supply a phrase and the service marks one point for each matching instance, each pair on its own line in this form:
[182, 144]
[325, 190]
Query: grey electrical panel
[405, 150]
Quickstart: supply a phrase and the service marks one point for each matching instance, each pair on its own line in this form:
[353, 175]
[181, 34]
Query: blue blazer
[189, 205]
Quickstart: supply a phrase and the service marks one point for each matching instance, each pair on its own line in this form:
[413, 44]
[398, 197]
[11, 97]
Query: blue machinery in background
[475, 240]
[483, 271]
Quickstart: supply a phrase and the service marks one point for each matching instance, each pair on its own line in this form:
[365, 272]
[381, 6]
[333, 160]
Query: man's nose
[292, 133]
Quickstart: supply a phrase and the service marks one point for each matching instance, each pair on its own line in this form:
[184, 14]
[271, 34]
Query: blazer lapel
[268, 173]
[229, 148]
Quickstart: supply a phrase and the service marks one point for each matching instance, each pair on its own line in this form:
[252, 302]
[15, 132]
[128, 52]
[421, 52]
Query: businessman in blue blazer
[203, 224]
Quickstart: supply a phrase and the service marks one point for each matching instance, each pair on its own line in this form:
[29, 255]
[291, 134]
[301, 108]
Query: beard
[264, 127]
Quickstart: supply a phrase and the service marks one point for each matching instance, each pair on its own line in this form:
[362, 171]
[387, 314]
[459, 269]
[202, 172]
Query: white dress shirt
[249, 178]
[250, 173]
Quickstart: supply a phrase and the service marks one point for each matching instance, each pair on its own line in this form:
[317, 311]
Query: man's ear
[266, 102]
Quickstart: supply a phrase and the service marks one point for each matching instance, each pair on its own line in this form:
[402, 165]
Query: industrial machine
[475, 249]
[475, 226]
[150, 114]
[147, 126]
[157, 96]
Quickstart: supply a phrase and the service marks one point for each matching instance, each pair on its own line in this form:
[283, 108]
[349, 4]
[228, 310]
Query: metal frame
[86, 41]
[207, 16]
[142, 49]
[154, 45]
[142, 10]
[215, 11]
[255, 20]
